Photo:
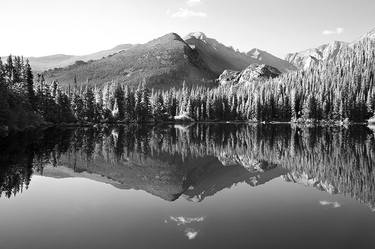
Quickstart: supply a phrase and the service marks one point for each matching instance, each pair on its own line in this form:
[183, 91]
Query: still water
[199, 186]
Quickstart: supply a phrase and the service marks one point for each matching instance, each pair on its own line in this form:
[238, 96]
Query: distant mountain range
[40, 64]
[310, 57]
[170, 60]
[165, 62]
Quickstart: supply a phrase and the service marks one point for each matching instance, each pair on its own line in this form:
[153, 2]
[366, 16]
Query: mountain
[217, 56]
[162, 63]
[166, 62]
[167, 176]
[40, 64]
[313, 56]
[220, 57]
[310, 57]
[369, 35]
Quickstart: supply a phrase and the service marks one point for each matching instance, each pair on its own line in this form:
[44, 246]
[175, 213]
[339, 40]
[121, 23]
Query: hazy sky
[44, 27]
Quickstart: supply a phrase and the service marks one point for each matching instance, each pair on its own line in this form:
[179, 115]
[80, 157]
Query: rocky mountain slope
[220, 57]
[310, 57]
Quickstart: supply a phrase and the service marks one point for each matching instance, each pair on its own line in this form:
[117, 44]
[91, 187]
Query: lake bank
[4, 130]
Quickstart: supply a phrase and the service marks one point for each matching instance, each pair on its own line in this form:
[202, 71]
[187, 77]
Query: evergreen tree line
[17, 98]
[341, 159]
[323, 154]
[335, 90]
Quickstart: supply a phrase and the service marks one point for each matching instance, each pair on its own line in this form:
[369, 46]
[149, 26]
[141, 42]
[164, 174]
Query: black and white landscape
[176, 139]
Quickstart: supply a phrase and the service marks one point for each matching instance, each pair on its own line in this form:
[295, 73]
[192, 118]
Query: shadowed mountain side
[220, 57]
[162, 63]
[266, 58]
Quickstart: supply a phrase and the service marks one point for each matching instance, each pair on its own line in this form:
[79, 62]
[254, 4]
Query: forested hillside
[339, 91]
[17, 99]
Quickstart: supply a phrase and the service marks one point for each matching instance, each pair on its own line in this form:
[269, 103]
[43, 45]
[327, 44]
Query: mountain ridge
[165, 62]
[43, 63]
[307, 58]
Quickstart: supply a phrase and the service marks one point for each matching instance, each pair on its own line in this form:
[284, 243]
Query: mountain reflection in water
[196, 162]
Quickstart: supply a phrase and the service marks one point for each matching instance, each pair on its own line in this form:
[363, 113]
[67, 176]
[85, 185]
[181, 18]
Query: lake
[189, 186]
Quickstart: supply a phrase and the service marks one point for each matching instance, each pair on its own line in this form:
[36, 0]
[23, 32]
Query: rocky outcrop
[252, 73]
[229, 77]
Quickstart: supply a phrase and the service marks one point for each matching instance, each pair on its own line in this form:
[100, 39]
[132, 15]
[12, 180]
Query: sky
[45, 27]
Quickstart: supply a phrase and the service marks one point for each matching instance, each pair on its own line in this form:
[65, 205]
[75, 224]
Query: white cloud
[337, 31]
[185, 220]
[186, 13]
[191, 233]
[193, 2]
[330, 203]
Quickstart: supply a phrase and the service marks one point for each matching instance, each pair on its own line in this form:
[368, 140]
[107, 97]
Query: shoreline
[5, 130]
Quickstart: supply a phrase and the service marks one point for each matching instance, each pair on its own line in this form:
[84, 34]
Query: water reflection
[196, 162]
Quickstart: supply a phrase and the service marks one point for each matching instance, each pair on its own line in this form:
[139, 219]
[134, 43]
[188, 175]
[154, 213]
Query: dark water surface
[199, 186]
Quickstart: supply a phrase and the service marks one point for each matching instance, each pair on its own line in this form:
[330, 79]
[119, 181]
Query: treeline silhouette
[339, 158]
[337, 90]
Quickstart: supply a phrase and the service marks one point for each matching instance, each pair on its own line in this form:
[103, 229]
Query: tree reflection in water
[199, 160]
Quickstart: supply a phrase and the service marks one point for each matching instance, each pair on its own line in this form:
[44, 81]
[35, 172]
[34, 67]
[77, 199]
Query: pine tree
[77, 107]
[129, 105]
[138, 108]
[159, 110]
[120, 102]
[9, 70]
[89, 104]
[17, 70]
[29, 82]
[4, 106]
[2, 74]
[146, 104]
[64, 106]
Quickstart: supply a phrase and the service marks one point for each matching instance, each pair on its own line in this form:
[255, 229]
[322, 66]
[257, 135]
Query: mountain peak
[197, 35]
[170, 37]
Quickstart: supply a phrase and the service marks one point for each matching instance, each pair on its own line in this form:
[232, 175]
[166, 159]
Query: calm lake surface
[198, 186]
